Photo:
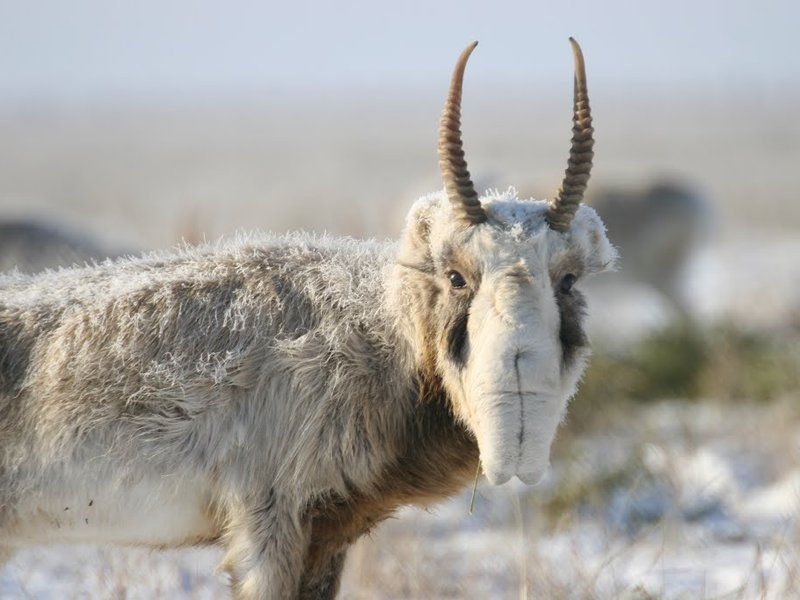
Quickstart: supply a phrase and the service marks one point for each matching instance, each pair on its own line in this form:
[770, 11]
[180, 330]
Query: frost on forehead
[512, 212]
[523, 218]
[528, 217]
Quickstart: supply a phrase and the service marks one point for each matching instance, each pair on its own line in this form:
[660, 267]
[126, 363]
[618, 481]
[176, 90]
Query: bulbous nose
[534, 476]
[498, 476]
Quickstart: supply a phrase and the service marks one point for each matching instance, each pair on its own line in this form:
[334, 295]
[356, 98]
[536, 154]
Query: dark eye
[566, 283]
[456, 279]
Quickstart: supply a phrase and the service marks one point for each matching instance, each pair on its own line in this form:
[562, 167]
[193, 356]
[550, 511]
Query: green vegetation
[722, 363]
[576, 490]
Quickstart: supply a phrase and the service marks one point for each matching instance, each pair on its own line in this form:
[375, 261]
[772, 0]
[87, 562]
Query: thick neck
[439, 451]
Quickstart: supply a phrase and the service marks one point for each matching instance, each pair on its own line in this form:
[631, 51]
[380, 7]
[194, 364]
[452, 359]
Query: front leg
[266, 543]
[322, 576]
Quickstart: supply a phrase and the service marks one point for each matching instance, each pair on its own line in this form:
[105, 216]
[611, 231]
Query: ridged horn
[457, 182]
[579, 165]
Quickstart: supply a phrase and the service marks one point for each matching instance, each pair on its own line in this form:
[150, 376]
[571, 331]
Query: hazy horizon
[89, 51]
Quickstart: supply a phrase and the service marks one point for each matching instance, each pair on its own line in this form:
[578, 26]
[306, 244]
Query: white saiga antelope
[281, 396]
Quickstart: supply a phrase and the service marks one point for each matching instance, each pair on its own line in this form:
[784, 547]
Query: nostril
[521, 434]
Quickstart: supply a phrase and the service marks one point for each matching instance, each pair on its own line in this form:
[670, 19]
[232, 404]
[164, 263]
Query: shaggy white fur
[281, 395]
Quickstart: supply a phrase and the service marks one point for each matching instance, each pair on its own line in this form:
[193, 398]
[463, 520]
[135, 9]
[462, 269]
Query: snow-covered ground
[674, 500]
[669, 500]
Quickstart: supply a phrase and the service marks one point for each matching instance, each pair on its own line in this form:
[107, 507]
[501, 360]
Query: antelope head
[491, 288]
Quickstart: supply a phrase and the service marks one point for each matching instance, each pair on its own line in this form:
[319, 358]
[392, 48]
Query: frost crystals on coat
[280, 396]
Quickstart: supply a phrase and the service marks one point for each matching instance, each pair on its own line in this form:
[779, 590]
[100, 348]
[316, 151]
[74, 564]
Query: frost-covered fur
[282, 395]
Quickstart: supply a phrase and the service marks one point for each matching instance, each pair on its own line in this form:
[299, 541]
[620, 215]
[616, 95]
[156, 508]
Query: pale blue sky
[90, 50]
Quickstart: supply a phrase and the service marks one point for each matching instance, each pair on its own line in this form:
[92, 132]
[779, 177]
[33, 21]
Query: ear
[415, 245]
[589, 232]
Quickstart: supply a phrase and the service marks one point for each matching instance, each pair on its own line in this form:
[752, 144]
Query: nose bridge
[513, 378]
[528, 307]
[519, 272]
[521, 297]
